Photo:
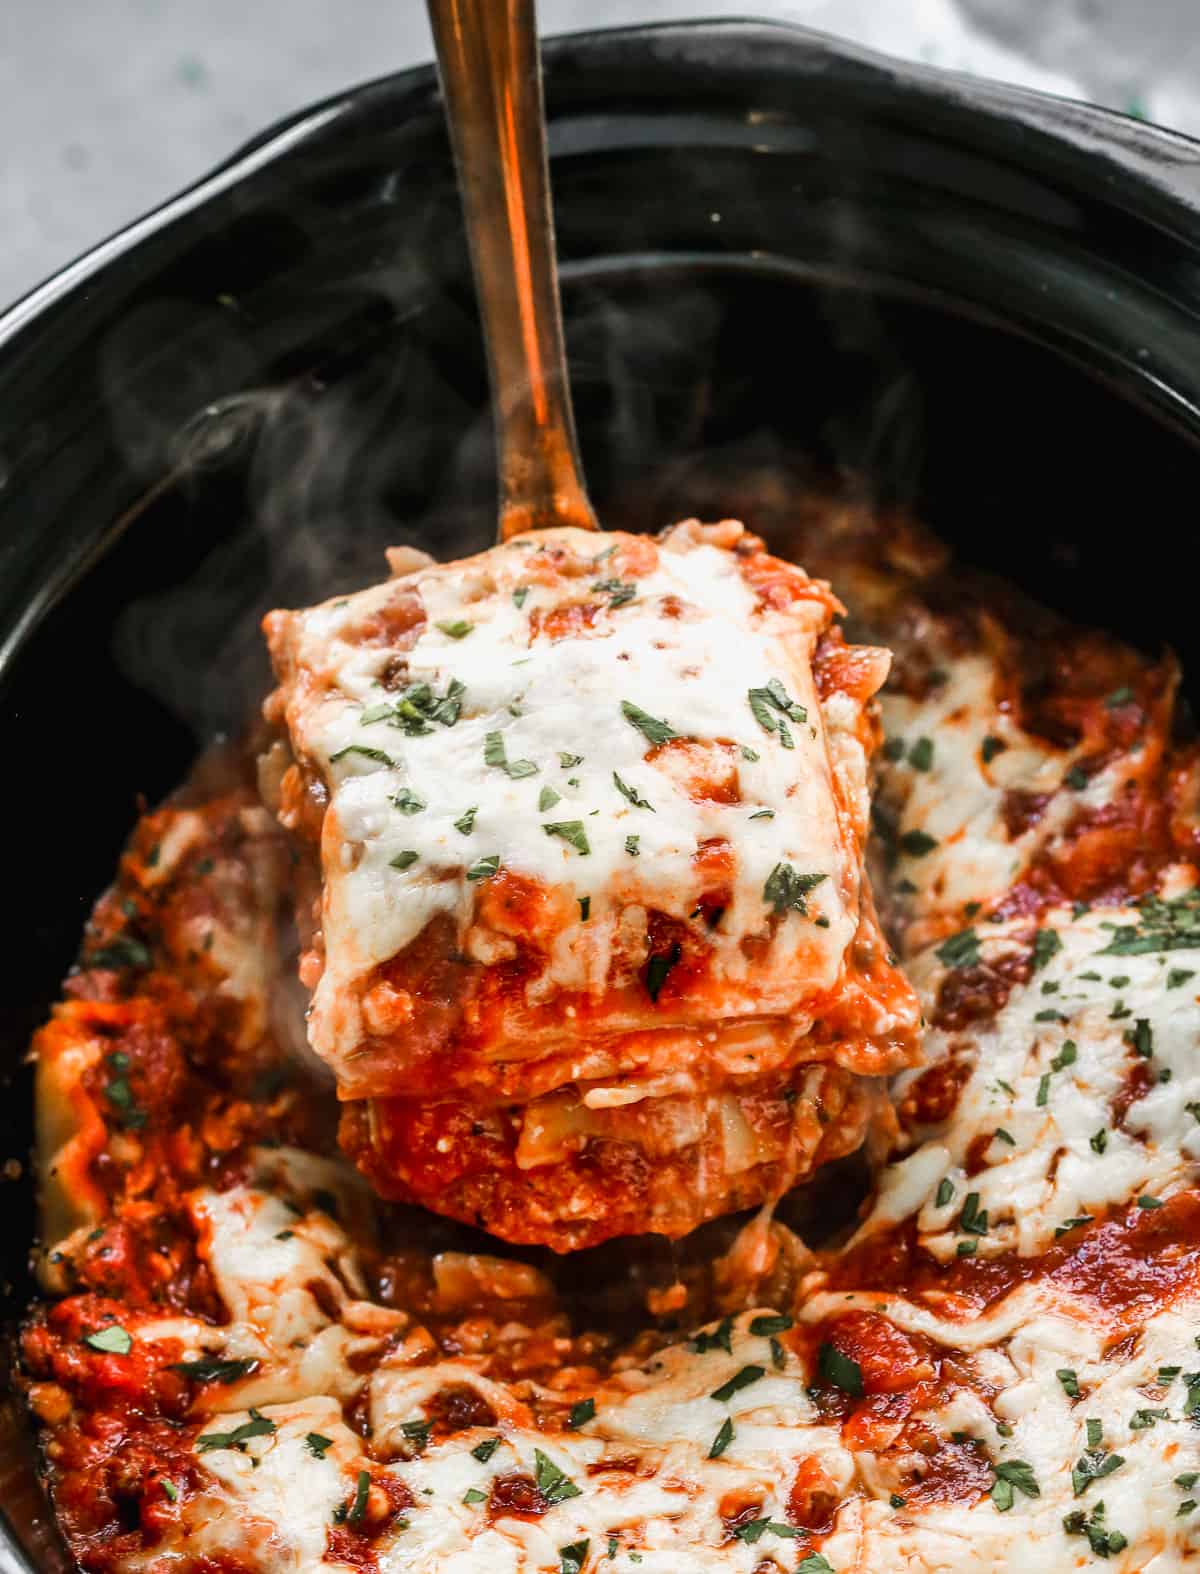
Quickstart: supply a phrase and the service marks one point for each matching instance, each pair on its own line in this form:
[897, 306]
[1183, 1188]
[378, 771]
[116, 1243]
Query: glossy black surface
[776, 250]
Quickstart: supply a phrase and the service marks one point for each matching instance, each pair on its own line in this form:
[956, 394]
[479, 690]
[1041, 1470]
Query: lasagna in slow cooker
[243, 1362]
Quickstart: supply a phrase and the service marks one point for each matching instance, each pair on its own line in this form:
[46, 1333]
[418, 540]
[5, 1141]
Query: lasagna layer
[589, 823]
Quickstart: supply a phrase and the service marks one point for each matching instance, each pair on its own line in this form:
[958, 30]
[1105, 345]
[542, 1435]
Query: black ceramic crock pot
[979, 302]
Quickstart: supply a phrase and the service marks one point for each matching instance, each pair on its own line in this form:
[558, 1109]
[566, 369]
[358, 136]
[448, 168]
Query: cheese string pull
[490, 70]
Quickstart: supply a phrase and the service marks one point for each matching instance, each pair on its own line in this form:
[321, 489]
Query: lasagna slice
[590, 946]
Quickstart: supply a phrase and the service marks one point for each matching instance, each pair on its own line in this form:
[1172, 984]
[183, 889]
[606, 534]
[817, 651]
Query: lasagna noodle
[590, 822]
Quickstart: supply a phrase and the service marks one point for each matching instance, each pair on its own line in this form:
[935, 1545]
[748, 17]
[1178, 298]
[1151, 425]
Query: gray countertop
[109, 106]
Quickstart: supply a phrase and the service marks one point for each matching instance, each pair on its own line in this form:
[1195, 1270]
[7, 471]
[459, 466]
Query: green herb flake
[917, 843]
[651, 728]
[1076, 778]
[581, 1414]
[960, 950]
[631, 794]
[572, 832]
[945, 1192]
[1098, 1141]
[466, 821]
[485, 869]
[552, 1483]
[494, 755]
[459, 629]
[1000, 1135]
[750, 755]
[920, 756]
[520, 595]
[404, 860]
[786, 888]
[474, 1495]
[484, 1451]
[567, 761]
[318, 1445]
[1119, 697]
[1068, 1225]
[1145, 1201]
[377, 755]
[585, 908]
[1143, 1420]
[571, 1559]
[620, 592]
[1047, 943]
[659, 967]
[631, 846]
[257, 1426]
[170, 1490]
[1140, 1038]
[763, 814]
[1069, 1380]
[112, 1340]
[547, 798]
[719, 1339]
[973, 1219]
[990, 748]
[211, 1370]
[772, 1323]
[814, 1563]
[1188, 1480]
[362, 1489]
[408, 802]
[839, 1370]
[1179, 976]
[740, 1379]
[722, 1440]
[1067, 1055]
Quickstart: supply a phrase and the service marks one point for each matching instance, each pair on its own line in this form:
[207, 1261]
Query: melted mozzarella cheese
[551, 700]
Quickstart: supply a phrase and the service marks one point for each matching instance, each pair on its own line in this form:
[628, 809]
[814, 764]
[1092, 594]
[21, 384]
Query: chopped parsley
[358, 1508]
[484, 1451]
[1165, 926]
[658, 968]
[1178, 976]
[494, 754]
[113, 1340]
[1068, 1225]
[124, 951]
[317, 1445]
[651, 728]
[917, 843]
[466, 821]
[571, 1559]
[750, 755]
[257, 1426]
[404, 860]
[568, 760]
[210, 1370]
[1143, 1420]
[1140, 1038]
[945, 1192]
[1010, 1474]
[458, 629]
[740, 1379]
[379, 757]
[519, 595]
[814, 1563]
[1000, 1135]
[763, 814]
[485, 868]
[1103, 1542]
[1145, 1201]
[1076, 778]
[840, 1371]
[631, 846]
[1069, 1380]
[1098, 1141]
[991, 747]
[1067, 1055]
[474, 1495]
[552, 1483]
[547, 798]
[786, 888]
[1043, 1092]
[170, 1491]
[960, 950]
[772, 708]
[893, 749]
[1188, 1480]
[719, 1339]
[1096, 1462]
[632, 794]
[920, 756]
[581, 1413]
[722, 1440]
[973, 1220]
[408, 802]
[772, 1323]
[585, 908]
[572, 832]
[417, 1433]
[620, 592]
[1046, 944]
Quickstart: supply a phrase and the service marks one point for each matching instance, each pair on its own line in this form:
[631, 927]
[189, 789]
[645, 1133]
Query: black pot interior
[779, 259]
